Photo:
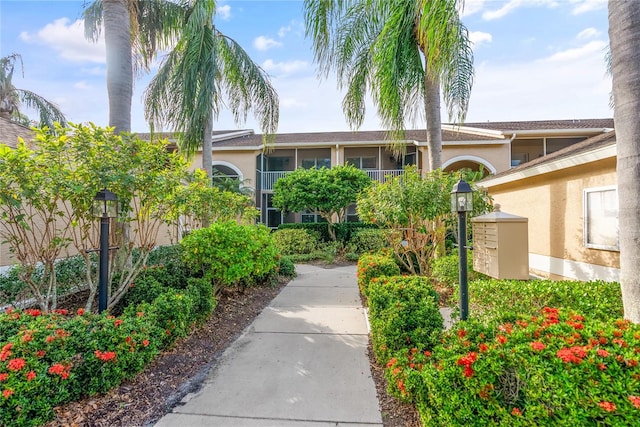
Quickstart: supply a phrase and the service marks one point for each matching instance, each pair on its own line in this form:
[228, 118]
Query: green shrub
[501, 299]
[367, 240]
[295, 241]
[319, 229]
[445, 270]
[553, 369]
[167, 265]
[343, 230]
[403, 313]
[346, 231]
[145, 289]
[374, 265]
[286, 268]
[231, 254]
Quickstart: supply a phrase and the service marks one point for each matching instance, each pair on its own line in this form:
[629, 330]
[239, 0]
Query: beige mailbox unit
[501, 245]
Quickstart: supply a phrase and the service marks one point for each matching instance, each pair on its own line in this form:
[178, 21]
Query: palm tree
[134, 30]
[624, 36]
[204, 72]
[402, 53]
[12, 98]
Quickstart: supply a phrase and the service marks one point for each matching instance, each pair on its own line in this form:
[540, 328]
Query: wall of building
[553, 203]
[497, 155]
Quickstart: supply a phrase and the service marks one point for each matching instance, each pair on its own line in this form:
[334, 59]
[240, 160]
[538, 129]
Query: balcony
[268, 179]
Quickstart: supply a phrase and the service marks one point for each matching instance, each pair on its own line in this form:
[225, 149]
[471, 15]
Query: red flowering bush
[50, 359]
[373, 266]
[556, 368]
[403, 312]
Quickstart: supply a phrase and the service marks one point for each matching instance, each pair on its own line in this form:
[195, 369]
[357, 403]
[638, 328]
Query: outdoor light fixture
[462, 202]
[105, 206]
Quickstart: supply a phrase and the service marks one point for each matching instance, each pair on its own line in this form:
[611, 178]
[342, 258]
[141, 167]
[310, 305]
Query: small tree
[416, 211]
[329, 192]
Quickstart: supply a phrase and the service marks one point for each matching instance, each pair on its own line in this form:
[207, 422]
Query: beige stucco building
[570, 200]
[500, 148]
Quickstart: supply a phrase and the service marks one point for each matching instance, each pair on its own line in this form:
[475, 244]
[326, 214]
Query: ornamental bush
[506, 299]
[403, 312]
[367, 240]
[231, 254]
[295, 241]
[557, 368]
[371, 266]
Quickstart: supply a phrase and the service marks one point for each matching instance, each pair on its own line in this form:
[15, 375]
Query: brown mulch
[143, 400]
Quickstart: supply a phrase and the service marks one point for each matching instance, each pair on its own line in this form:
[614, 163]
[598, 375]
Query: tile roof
[544, 124]
[364, 137]
[10, 132]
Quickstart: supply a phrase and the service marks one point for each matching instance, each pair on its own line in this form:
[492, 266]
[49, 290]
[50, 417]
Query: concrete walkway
[302, 362]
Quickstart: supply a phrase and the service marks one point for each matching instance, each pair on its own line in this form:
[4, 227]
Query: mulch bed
[143, 400]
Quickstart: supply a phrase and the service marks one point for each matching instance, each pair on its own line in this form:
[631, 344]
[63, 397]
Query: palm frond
[48, 111]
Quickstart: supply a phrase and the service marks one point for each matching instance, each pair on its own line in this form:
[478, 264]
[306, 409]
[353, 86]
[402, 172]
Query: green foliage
[416, 211]
[326, 191]
[231, 254]
[403, 313]
[555, 368]
[372, 266]
[502, 299]
[295, 241]
[316, 228]
[49, 359]
[367, 240]
[286, 267]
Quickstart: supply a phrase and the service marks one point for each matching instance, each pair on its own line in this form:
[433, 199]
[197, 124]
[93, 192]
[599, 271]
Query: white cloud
[567, 85]
[68, 40]
[82, 85]
[472, 6]
[588, 33]
[284, 68]
[283, 31]
[591, 49]
[512, 5]
[583, 6]
[223, 12]
[265, 43]
[478, 38]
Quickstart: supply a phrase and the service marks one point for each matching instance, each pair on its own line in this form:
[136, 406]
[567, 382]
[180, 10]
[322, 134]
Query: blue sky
[534, 60]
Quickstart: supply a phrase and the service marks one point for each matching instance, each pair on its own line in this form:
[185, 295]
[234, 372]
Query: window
[363, 162]
[277, 163]
[310, 216]
[601, 218]
[352, 214]
[316, 162]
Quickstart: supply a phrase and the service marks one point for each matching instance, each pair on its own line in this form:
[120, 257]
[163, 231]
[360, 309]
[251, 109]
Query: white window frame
[587, 192]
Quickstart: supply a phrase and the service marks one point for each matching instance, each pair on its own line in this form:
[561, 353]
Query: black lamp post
[105, 206]
[462, 202]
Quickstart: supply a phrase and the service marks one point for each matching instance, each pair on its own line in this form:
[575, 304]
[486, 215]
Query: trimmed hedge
[295, 241]
[403, 313]
[371, 266]
[344, 230]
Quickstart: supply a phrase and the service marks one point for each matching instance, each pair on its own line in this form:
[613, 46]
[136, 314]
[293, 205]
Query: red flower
[401, 386]
[117, 323]
[50, 338]
[33, 312]
[468, 371]
[501, 339]
[575, 325]
[607, 406]
[80, 311]
[516, 412]
[462, 333]
[391, 362]
[31, 375]
[620, 342]
[538, 346]
[602, 366]
[635, 401]
[60, 369]
[4, 376]
[602, 352]
[572, 354]
[105, 356]
[145, 343]
[507, 327]
[16, 364]
[27, 337]
[7, 393]
[40, 353]
[6, 352]
[483, 347]
[427, 353]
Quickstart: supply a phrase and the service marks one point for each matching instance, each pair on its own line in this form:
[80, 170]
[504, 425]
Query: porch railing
[269, 178]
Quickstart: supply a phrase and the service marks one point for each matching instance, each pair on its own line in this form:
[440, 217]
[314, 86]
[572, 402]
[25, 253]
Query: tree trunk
[117, 36]
[624, 36]
[207, 155]
[434, 124]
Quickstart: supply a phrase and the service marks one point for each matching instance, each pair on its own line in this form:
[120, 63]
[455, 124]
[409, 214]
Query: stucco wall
[497, 155]
[553, 202]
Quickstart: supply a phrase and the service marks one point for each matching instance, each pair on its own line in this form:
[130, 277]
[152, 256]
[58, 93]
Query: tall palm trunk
[117, 34]
[434, 121]
[624, 36]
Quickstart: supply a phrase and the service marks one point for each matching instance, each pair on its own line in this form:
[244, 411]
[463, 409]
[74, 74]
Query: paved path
[302, 362]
